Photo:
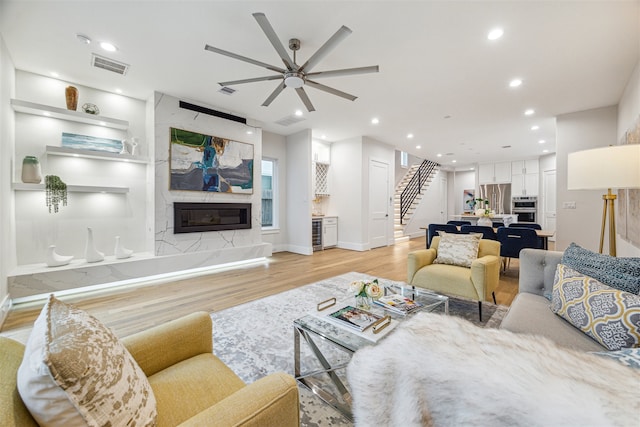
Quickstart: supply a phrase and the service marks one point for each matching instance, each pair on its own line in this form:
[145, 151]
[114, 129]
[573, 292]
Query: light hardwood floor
[129, 310]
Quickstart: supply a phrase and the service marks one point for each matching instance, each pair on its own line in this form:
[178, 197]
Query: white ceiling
[434, 57]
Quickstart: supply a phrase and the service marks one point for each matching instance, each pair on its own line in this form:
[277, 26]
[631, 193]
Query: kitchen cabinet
[329, 232]
[494, 173]
[321, 152]
[524, 178]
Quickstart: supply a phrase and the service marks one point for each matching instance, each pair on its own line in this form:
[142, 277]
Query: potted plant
[56, 192]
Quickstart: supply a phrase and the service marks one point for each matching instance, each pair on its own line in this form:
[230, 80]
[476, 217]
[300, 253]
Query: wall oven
[526, 207]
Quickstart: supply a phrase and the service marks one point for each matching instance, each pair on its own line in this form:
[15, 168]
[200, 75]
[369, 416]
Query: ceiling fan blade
[305, 99]
[256, 79]
[327, 47]
[273, 95]
[275, 41]
[344, 72]
[245, 59]
[330, 90]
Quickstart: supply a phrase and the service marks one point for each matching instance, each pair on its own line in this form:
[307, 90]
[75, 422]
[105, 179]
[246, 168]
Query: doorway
[379, 202]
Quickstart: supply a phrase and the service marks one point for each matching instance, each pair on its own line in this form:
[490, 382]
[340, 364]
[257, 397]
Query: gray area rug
[256, 339]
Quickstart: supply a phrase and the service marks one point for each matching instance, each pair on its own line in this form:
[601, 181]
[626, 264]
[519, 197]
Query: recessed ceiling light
[109, 47]
[545, 151]
[542, 141]
[375, 121]
[515, 83]
[535, 127]
[324, 137]
[453, 161]
[409, 135]
[103, 124]
[54, 74]
[495, 34]
[118, 90]
[249, 132]
[529, 112]
[439, 155]
[46, 113]
[418, 147]
[298, 113]
[472, 169]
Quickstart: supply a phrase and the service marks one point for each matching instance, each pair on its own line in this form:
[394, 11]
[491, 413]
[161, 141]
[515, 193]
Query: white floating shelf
[70, 115]
[20, 186]
[91, 154]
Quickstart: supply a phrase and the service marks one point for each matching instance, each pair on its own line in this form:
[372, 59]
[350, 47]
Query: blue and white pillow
[620, 273]
[627, 356]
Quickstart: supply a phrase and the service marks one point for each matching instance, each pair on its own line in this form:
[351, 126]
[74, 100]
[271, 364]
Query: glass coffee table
[330, 346]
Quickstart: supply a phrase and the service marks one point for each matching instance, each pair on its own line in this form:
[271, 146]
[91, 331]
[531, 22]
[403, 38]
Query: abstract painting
[84, 142]
[468, 196]
[210, 163]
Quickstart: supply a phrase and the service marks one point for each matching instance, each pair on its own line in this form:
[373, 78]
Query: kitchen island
[505, 218]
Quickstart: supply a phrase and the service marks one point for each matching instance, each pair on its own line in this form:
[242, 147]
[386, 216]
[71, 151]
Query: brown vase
[71, 95]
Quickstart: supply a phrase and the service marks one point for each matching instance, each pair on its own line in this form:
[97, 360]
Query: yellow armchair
[191, 385]
[478, 282]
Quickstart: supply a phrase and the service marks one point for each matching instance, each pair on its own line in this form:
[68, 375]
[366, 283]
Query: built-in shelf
[20, 186]
[70, 115]
[91, 154]
[77, 263]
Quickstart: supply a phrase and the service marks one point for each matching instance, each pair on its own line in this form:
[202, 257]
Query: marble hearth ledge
[28, 282]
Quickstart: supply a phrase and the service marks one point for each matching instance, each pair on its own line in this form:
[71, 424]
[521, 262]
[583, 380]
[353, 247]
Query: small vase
[71, 96]
[91, 254]
[120, 251]
[363, 302]
[56, 260]
[31, 172]
[485, 221]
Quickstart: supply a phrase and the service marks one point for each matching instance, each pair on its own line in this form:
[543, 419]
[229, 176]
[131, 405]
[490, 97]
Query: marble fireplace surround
[167, 252]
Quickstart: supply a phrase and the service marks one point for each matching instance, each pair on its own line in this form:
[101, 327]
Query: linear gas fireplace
[199, 217]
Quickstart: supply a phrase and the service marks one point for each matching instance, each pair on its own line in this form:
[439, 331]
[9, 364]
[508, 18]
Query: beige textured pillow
[457, 249]
[75, 372]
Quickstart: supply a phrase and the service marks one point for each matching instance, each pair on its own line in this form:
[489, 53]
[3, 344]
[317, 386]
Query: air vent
[227, 90]
[109, 64]
[289, 120]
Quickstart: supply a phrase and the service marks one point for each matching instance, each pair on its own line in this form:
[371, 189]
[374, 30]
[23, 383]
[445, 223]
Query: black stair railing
[414, 187]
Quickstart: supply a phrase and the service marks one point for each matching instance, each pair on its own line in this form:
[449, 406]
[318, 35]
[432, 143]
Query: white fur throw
[437, 370]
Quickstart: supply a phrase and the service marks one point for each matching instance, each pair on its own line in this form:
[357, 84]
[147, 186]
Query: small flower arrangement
[486, 212]
[365, 291]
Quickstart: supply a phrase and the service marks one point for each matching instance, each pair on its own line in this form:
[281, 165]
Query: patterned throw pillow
[609, 316]
[620, 273]
[76, 372]
[457, 249]
[627, 356]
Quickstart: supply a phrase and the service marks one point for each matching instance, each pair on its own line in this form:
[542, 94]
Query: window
[404, 159]
[269, 193]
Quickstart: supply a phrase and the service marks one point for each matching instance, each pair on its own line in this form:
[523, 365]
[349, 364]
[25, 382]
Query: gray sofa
[530, 313]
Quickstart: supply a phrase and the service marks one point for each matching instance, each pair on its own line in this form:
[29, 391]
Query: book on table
[354, 318]
[398, 304]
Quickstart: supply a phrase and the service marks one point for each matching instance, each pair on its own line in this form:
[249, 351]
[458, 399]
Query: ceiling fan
[293, 75]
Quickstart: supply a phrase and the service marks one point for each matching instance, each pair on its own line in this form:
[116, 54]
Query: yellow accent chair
[191, 385]
[477, 283]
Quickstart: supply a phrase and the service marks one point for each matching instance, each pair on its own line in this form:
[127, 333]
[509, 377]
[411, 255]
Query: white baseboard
[360, 247]
[302, 250]
[4, 309]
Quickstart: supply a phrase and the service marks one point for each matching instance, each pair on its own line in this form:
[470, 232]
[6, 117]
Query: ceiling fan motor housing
[294, 79]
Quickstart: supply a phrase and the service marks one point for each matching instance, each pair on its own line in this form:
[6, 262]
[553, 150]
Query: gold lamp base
[608, 206]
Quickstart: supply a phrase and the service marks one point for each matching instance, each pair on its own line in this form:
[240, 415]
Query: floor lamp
[605, 168]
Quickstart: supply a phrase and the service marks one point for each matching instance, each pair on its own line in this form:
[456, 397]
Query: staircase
[408, 195]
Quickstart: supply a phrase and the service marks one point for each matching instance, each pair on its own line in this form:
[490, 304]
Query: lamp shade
[601, 168]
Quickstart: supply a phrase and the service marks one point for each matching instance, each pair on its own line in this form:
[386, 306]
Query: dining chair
[532, 225]
[513, 240]
[434, 228]
[497, 224]
[487, 232]
[459, 223]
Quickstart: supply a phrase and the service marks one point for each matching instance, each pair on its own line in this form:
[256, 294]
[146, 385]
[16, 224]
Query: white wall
[576, 132]
[7, 222]
[109, 215]
[299, 192]
[275, 147]
[628, 115]
[346, 198]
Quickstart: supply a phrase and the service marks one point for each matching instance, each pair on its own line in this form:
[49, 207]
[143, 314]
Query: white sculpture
[120, 251]
[55, 260]
[91, 254]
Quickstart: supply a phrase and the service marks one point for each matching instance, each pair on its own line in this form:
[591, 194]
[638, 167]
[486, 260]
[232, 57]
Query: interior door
[379, 203]
[549, 202]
